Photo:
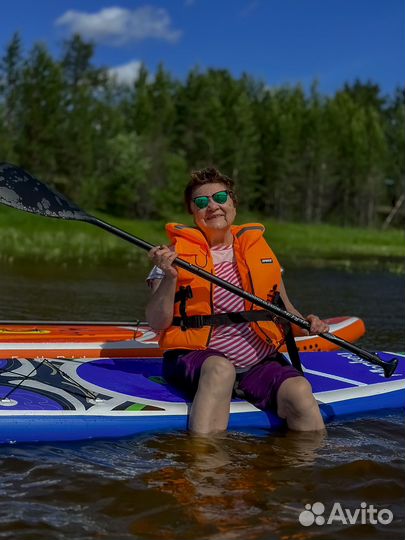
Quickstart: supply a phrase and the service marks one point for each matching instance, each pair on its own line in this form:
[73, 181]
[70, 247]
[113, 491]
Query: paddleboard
[123, 340]
[76, 399]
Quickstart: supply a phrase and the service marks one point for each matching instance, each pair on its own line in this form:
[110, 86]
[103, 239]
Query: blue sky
[277, 41]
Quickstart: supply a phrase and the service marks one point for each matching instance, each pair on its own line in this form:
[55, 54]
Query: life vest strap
[292, 348]
[223, 319]
[182, 295]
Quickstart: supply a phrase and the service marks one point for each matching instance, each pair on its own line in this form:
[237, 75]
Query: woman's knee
[295, 397]
[218, 369]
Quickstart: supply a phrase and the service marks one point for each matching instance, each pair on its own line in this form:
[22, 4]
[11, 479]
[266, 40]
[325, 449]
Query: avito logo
[366, 514]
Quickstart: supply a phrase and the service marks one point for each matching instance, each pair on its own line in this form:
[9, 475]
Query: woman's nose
[212, 203]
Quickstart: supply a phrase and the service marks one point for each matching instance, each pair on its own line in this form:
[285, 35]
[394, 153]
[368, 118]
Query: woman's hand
[317, 325]
[163, 257]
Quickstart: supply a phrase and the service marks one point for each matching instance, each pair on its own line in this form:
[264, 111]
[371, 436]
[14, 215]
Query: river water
[234, 486]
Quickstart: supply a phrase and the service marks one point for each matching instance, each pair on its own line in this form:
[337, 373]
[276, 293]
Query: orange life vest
[260, 274]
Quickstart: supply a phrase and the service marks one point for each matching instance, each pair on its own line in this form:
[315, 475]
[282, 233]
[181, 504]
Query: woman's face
[216, 215]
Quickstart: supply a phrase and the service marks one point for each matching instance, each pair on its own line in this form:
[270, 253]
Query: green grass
[33, 238]
[328, 244]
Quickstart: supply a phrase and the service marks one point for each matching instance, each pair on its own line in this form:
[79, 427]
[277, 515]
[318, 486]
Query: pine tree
[10, 97]
[40, 112]
[81, 124]
[242, 154]
[140, 106]
[395, 137]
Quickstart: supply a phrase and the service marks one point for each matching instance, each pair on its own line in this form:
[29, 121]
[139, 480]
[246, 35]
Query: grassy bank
[33, 238]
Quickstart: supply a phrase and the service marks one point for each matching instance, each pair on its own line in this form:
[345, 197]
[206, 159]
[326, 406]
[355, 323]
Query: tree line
[128, 149]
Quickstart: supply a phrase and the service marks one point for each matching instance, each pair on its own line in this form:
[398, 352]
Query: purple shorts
[259, 385]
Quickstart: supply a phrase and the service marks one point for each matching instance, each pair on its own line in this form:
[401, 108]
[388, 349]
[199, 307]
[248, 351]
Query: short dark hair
[209, 175]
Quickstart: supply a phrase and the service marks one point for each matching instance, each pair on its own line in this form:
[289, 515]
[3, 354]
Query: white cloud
[116, 26]
[126, 73]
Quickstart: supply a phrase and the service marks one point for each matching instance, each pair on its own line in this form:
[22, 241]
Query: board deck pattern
[76, 399]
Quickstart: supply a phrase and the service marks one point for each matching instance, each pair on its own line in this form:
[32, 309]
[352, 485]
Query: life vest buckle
[196, 321]
[182, 296]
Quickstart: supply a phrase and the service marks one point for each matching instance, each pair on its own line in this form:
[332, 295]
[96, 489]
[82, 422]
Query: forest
[127, 150]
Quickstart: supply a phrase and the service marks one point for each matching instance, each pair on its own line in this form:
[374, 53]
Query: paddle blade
[22, 191]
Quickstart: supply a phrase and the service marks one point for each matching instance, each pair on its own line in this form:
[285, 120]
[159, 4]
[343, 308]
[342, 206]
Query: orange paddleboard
[91, 340]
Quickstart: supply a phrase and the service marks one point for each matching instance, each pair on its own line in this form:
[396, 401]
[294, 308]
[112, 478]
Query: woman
[214, 337]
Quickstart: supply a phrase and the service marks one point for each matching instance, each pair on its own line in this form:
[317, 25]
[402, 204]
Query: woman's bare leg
[296, 403]
[210, 409]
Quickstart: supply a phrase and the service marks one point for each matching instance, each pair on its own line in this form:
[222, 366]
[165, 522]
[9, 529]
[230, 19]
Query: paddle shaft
[388, 367]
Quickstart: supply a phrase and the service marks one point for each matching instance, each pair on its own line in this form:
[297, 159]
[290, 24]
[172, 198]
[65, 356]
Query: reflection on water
[230, 484]
[178, 486]
[234, 486]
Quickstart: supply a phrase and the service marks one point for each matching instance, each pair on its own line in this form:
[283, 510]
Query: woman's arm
[159, 310]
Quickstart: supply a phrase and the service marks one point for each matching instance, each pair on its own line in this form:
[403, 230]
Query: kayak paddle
[22, 191]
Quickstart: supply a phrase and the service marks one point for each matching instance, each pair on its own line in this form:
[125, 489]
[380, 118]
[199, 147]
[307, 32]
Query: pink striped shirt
[239, 343]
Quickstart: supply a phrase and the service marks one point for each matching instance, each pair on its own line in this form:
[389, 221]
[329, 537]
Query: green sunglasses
[219, 197]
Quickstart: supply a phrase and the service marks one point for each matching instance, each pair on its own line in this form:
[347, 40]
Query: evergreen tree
[395, 137]
[282, 136]
[10, 97]
[81, 124]
[319, 178]
[203, 128]
[124, 178]
[140, 106]
[168, 199]
[40, 113]
[242, 155]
